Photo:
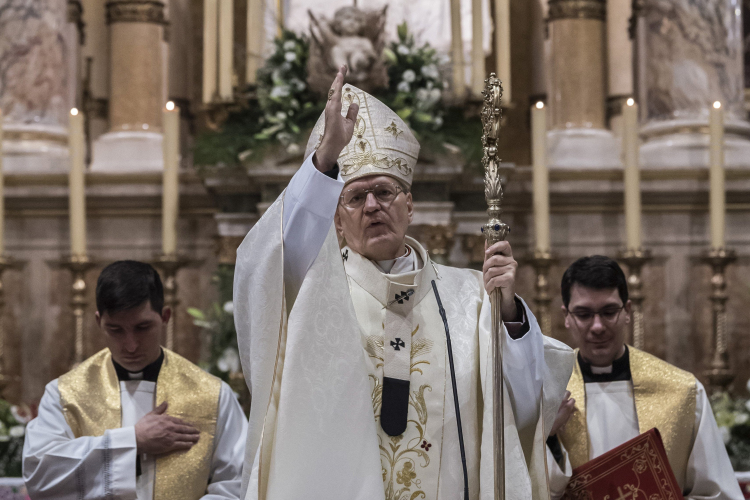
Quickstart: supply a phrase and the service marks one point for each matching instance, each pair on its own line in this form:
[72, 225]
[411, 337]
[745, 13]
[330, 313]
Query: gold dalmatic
[665, 398]
[90, 397]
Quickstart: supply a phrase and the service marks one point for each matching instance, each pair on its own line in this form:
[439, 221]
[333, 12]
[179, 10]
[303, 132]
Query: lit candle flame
[170, 106]
[717, 105]
[74, 111]
[631, 101]
[539, 105]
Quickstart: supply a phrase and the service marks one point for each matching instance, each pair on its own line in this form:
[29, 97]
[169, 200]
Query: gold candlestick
[495, 230]
[168, 265]
[542, 261]
[78, 265]
[635, 259]
[5, 378]
[719, 372]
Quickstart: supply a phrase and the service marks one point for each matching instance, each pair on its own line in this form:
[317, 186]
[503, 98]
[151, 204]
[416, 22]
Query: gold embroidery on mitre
[382, 144]
[90, 397]
[393, 129]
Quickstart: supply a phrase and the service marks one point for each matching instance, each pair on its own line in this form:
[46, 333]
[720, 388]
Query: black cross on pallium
[345, 255]
[401, 298]
[398, 344]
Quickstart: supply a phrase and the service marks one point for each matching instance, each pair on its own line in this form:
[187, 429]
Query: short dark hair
[597, 272]
[127, 284]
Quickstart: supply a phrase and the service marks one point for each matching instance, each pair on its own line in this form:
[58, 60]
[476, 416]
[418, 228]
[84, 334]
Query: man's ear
[410, 206]
[566, 315]
[166, 314]
[98, 319]
[339, 225]
[628, 310]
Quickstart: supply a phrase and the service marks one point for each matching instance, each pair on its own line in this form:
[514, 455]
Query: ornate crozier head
[382, 143]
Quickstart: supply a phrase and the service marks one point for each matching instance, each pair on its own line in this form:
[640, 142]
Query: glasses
[585, 317]
[384, 194]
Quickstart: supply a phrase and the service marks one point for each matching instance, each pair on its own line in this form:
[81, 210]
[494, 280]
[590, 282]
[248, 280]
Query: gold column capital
[577, 9]
[135, 11]
[75, 16]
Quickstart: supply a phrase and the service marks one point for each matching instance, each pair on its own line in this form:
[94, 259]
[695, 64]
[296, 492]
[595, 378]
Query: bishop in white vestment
[619, 392]
[346, 355]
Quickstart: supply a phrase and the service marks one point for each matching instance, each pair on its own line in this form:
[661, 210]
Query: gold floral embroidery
[393, 129]
[362, 154]
[405, 475]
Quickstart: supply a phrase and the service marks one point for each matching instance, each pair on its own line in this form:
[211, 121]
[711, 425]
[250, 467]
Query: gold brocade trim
[665, 398]
[575, 435]
[90, 397]
[135, 11]
[577, 9]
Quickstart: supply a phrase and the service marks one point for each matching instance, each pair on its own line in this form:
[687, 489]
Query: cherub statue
[354, 37]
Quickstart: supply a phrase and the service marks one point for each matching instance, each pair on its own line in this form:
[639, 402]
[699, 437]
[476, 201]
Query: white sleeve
[56, 465]
[229, 449]
[558, 477]
[310, 203]
[709, 472]
[523, 363]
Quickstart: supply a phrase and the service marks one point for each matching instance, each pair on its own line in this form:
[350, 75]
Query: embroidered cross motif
[345, 255]
[623, 495]
[404, 296]
[393, 129]
[397, 344]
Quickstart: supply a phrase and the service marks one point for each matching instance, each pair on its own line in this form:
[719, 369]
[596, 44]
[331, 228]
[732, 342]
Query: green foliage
[218, 321]
[733, 418]
[12, 432]
[287, 110]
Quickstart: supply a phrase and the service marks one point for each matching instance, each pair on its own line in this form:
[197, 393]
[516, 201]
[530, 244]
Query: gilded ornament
[135, 11]
[393, 129]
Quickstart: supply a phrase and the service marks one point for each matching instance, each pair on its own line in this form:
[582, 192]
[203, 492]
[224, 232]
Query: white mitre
[382, 143]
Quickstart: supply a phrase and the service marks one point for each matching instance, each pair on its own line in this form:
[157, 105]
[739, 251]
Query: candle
[717, 200]
[255, 35]
[2, 191]
[457, 51]
[502, 45]
[77, 185]
[540, 176]
[226, 49]
[630, 147]
[280, 17]
[170, 183]
[477, 49]
[210, 35]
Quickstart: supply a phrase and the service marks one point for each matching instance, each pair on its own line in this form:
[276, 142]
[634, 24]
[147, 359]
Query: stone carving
[354, 37]
[577, 9]
[135, 11]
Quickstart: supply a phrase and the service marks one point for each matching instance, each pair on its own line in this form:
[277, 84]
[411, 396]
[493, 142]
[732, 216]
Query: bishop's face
[134, 335]
[373, 226]
[599, 322]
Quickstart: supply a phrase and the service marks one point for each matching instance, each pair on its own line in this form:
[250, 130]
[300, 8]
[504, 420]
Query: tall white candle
[255, 35]
[457, 51]
[540, 176]
[2, 191]
[502, 45]
[226, 49]
[632, 177]
[477, 49]
[77, 185]
[210, 48]
[170, 183]
[717, 195]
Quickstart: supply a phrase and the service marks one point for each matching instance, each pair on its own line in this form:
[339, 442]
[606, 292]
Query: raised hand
[499, 271]
[158, 434]
[338, 130]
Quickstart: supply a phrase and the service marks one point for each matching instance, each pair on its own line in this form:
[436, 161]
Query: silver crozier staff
[494, 231]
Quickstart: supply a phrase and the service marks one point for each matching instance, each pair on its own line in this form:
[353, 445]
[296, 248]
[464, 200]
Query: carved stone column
[577, 93]
[34, 86]
[689, 55]
[136, 100]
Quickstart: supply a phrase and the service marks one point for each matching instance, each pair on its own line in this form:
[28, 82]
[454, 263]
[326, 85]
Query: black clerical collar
[620, 370]
[149, 373]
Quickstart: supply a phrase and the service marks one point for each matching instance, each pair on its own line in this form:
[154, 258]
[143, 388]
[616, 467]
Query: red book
[638, 469]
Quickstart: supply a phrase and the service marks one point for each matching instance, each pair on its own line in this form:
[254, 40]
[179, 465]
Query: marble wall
[690, 54]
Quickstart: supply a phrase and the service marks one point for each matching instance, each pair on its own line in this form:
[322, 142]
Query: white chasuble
[316, 374]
